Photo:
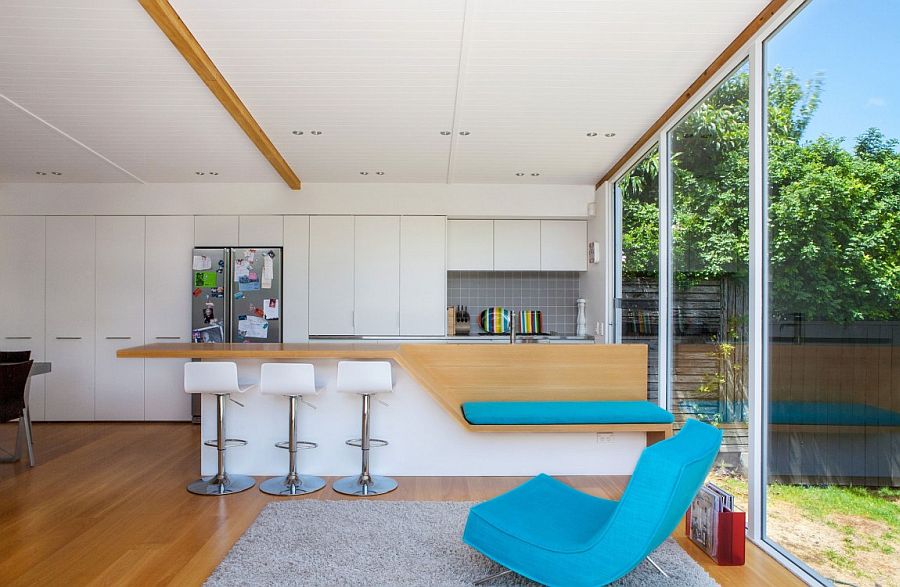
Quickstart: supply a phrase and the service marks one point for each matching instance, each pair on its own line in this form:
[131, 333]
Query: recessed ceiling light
[535, 174]
[213, 172]
[40, 173]
[379, 173]
[199, 173]
[364, 173]
[56, 173]
[609, 135]
[464, 133]
[445, 132]
[591, 134]
[520, 174]
[297, 132]
[315, 132]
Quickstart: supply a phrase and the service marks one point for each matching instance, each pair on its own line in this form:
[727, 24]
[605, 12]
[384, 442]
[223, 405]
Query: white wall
[596, 282]
[458, 200]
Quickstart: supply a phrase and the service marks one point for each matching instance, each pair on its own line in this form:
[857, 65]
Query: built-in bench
[540, 388]
[593, 416]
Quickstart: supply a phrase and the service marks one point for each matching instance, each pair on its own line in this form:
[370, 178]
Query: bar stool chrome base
[377, 485]
[231, 484]
[301, 485]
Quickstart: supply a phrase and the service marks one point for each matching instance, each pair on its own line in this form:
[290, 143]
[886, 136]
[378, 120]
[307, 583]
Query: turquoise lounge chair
[556, 535]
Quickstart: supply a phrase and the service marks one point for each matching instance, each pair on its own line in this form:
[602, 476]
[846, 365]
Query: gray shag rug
[390, 543]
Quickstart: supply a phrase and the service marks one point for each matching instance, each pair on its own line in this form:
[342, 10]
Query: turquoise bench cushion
[831, 414]
[520, 413]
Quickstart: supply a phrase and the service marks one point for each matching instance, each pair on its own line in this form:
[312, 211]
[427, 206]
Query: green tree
[834, 215]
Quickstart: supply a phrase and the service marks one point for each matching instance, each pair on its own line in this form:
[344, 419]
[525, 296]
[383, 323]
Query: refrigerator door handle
[229, 285]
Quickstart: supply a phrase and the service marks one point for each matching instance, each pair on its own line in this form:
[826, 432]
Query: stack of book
[715, 527]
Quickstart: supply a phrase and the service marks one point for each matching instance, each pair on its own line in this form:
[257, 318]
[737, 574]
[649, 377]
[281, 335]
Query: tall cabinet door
[376, 275]
[70, 317]
[22, 257]
[331, 275]
[295, 305]
[167, 312]
[119, 383]
[423, 277]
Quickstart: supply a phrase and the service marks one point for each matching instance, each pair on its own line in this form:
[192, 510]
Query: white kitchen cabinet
[331, 267]
[261, 231]
[119, 383]
[295, 280]
[517, 245]
[22, 256]
[216, 231]
[563, 245]
[167, 312]
[470, 245]
[70, 312]
[376, 275]
[423, 277]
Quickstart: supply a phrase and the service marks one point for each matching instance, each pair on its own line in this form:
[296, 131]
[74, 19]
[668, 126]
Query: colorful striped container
[531, 322]
[495, 320]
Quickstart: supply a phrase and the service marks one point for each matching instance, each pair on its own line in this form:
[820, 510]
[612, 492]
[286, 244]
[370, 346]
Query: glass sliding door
[637, 266]
[833, 291]
[709, 293]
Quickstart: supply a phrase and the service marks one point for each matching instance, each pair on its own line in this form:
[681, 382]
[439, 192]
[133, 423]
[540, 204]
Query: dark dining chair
[14, 356]
[14, 405]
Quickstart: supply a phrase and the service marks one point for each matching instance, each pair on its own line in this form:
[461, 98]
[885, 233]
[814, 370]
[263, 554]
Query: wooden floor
[107, 505]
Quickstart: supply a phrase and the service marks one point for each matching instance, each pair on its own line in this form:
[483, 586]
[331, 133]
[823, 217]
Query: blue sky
[855, 45]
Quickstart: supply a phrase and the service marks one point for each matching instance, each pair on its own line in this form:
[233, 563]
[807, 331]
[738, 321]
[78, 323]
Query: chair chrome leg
[16, 455]
[221, 483]
[484, 580]
[293, 483]
[29, 442]
[658, 568]
[365, 484]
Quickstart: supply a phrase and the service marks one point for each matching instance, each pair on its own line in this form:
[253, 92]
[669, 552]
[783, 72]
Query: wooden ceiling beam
[751, 29]
[174, 28]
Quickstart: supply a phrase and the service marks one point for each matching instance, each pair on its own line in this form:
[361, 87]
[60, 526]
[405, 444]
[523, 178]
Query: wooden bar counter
[450, 374]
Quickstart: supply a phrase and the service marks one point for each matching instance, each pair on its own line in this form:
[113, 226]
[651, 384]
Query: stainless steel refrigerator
[236, 294]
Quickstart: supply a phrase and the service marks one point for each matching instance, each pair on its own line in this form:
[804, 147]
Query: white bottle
[579, 323]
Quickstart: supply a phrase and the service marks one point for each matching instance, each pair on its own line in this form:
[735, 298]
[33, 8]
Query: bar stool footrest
[300, 445]
[373, 442]
[229, 443]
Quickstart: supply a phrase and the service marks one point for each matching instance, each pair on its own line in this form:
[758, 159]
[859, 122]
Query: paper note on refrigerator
[205, 279]
[253, 327]
[267, 272]
[270, 308]
[202, 263]
[241, 269]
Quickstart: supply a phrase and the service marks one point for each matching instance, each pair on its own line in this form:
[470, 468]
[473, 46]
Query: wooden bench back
[529, 372]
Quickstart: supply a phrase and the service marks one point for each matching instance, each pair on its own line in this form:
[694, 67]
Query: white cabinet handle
[68, 338]
[18, 338]
[118, 338]
[168, 338]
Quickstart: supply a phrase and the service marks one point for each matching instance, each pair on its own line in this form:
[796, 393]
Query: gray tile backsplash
[553, 293]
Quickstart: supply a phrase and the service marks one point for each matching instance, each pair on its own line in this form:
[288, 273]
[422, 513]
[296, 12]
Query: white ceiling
[526, 78]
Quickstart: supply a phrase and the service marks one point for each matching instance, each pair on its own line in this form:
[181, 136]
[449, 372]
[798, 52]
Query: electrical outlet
[605, 438]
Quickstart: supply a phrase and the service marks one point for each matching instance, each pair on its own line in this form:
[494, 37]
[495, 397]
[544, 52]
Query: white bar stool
[219, 379]
[365, 378]
[293, 380]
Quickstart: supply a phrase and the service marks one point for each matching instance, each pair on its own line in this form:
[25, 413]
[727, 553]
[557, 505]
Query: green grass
[880, 505]
[842, 509]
